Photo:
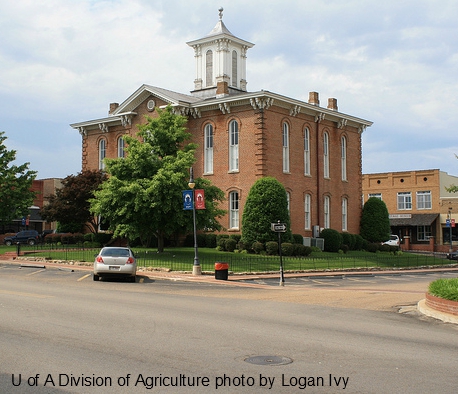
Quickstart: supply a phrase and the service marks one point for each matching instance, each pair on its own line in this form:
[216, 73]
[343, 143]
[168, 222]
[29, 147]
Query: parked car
[393, 241]
[452, 256]
[114, 261]
[30, 237]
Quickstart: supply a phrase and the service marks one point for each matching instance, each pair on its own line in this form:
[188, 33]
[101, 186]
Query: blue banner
[188, 200]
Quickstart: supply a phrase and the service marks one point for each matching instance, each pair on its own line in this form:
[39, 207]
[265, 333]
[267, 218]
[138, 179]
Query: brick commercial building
[315, 152]
[422, 212]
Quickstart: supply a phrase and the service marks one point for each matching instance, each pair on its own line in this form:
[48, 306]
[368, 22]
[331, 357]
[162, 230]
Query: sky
[392, 62]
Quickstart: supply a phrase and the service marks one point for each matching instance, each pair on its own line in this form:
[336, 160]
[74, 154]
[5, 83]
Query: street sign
[278, 227]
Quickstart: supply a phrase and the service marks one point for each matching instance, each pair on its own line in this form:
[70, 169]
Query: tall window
[288, 200]
[121, 147]
[424, 233]
[209, 68]
[404, 201]
[306, 151]
[344, 214]
[234, 210]
[326, 155]
[307, 210]
[344, 158]
[208, 160]
[233, 146]
[234, 68]
[102, 153]
[327, 213]
[285, 135]
[424, 200]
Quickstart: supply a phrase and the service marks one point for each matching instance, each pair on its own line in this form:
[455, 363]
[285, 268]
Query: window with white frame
[233, 146]
[404, 201]
[424, 200]
[234, 210]
[121, 147]
[307, 210]
[326, 155]
[285, 135]
[327, 211]
[209, 68]
[288, 200]
[343, 148]
[306, 151]
[208, 150]
[423, 233]
[344, 214]
[102, 153]
[376, 195]
[234, 68]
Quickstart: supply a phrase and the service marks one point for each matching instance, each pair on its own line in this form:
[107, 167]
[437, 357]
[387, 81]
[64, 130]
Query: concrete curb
[427, 311]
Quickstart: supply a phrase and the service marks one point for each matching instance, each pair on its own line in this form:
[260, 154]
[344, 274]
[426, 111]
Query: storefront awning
[414, 219]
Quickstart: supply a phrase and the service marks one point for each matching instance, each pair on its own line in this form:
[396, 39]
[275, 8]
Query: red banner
[199, 199]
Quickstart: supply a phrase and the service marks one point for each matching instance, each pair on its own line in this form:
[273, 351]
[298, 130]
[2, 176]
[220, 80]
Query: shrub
[301, 250]
[221, 241]
[230, 244]
[314, 249]
[359, 242]
[348, 240]
[210, 240]
[287, 249]
[272, 248]
[201, 240]
[445, 288]
[344, 248]
[332, 240]
[236, 237]
[372, 247]
[257, 247]
[384, 248]
[298, 239]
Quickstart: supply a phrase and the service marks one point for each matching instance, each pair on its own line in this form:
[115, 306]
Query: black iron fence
[182, 260]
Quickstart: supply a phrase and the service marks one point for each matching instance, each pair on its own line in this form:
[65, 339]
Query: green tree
[375, 221]
[266, 203]
[15, 185]
[142, 197]
[70, 205]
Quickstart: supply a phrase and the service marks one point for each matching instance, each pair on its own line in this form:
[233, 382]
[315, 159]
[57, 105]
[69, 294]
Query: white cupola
[220, 62]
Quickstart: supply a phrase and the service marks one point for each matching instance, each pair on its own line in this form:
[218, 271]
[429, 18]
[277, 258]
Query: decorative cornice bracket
[294, 110]
[103, 127]
[261, 103]
[319, 117]
[225, 108]
[342, 123]
[82, 131]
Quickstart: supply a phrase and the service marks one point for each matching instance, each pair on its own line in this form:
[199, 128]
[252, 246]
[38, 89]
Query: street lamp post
[196, 269]
[451, 228]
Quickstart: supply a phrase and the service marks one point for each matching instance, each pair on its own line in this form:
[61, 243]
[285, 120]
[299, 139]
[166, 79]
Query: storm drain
[269, 360]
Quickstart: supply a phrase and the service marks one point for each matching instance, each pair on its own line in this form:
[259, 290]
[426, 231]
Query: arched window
[233, 146]
[121, 147]
[326, 155]
[285, 135]
[234, 68]
[306, 151]
[344, 157]
[208, 153]
[234, 210]
[102, 153]
[209, 68]
[327, 212]
[307, 211]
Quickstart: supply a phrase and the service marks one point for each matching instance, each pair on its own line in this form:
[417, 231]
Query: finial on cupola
[221, 9]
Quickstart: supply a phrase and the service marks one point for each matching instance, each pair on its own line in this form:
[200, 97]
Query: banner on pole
[200, 199]
[187, 200]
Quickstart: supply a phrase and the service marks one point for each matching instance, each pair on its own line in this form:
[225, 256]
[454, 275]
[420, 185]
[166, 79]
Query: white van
[394, 240]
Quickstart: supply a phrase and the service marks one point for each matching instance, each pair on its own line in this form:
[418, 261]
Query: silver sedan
[114, 261]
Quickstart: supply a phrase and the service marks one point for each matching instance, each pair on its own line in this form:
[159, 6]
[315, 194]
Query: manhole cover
[269, 360]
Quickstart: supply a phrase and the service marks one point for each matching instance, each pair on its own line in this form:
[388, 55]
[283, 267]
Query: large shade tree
[375, 221]
[142, 197]
[266, 203]
[16, 181]
[70, 204]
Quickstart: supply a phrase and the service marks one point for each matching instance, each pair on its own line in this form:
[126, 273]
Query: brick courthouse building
[315, 152]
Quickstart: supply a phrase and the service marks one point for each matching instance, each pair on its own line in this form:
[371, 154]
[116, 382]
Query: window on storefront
[404, 201]
[423, 233]
[424, 200]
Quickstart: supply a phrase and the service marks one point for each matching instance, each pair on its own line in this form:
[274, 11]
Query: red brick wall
[260, 154]
[439, 304]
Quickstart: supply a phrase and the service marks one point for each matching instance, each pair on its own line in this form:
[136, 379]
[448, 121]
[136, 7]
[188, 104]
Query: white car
[114, 261]
[393, 241]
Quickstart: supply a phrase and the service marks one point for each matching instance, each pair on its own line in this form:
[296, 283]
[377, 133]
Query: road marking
[83, 277]
[360, 280]
[35, 272]
[324, 283]
[25, 294]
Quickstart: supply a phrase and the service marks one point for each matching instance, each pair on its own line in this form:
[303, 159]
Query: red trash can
[221, 271]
